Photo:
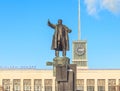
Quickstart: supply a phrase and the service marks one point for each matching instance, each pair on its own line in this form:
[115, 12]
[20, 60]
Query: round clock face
[80, 50]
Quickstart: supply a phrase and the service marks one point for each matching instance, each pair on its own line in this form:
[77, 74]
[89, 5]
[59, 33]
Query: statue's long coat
[65, 39]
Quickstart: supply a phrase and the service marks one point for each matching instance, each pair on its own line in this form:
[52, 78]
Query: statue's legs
[63, 47]
[56, 53]
[64, 52]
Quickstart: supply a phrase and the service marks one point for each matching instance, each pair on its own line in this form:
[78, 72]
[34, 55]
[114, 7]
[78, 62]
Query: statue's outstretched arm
[51, 25]
[68, 30]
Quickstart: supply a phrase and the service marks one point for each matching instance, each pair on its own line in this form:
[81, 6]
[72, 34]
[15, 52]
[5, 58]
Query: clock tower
[79, 54]
[79, 49]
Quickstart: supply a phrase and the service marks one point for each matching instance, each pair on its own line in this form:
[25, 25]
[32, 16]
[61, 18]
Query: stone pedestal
[66, 79]
[65, 74]
[60, 61]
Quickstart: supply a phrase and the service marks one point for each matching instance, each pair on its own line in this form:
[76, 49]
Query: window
[101, 84]
[37, 85]
[16, 85]
[118, 87]
[80, 84]
[90, 88]
[90, 84]
[26, 85]
[111, 85]
[6, 84]
[48, 84]
[80, 63]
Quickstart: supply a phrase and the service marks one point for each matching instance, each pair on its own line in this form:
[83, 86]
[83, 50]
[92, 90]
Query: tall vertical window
[48, 84]
[80, 84]
[16, 85]
[118, 87]
[90, 85]
[111, 85]
[80, 63]
[27, 85]
[37, 85]
[6, 84]
[101, 84]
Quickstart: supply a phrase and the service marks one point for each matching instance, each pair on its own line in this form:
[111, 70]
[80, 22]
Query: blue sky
[25, 38]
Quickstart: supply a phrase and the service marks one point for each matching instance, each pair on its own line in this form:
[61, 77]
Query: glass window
[48, 84]
[80, 63]
[101, 88]
[118, 87]
[90, 88]
[80, 84]
[16, 85]
[6, 84]
[90, 84]
[37, 85]
[101, 84]
[26, 85]
[111, 85]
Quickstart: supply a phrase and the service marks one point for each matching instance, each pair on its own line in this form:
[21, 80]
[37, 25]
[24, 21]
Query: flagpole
[79, 23]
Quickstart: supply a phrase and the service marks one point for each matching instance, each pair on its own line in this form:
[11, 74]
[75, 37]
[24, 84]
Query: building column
[117, 85]
[32, 84]
[21, 85]
[106, 84]
[11, 84]
[85, 85]
[95, 84]
[43, 87]
[53, 84]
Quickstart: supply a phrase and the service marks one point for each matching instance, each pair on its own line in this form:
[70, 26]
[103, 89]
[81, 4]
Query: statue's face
[59, 21]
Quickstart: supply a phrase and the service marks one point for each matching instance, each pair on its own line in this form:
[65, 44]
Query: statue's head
[60, 21]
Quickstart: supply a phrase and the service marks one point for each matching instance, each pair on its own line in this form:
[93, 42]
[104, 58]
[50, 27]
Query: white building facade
[43, 80]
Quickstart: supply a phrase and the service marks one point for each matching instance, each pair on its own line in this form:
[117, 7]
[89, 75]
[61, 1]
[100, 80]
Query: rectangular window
[101, 84]
[27, 85]
[111, 85]
[37, 85]
[101, 88]
[90, 84]
[48, 84]
[80, 84]
[16, 85]
[6, 84]
[80, 63]
[118, 87]
[90, 88]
